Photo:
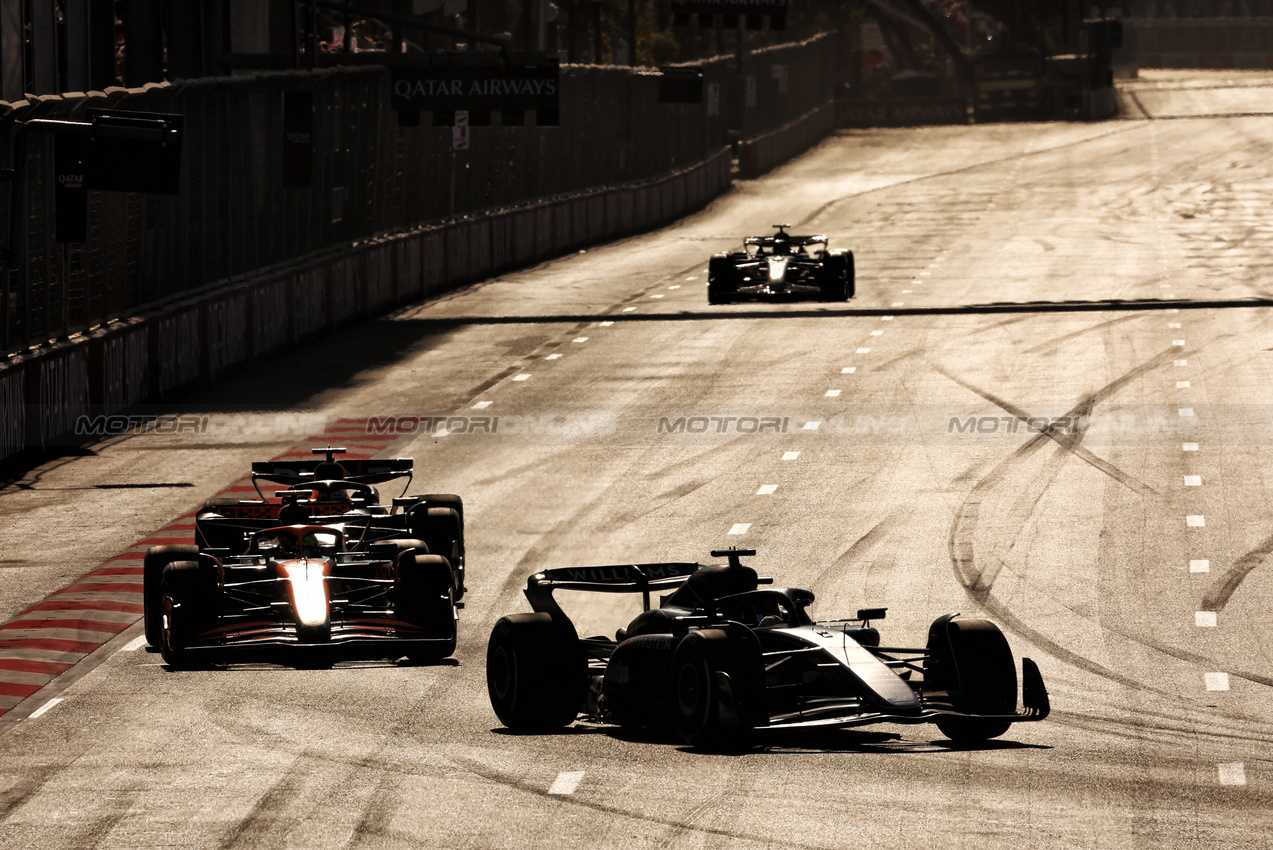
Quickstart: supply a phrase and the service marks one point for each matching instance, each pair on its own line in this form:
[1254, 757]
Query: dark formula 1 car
[781, 266]
[301, 588]
[340, 495]
[722, 659]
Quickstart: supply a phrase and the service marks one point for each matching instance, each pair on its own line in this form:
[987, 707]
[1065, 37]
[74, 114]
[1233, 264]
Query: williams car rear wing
[618, 578]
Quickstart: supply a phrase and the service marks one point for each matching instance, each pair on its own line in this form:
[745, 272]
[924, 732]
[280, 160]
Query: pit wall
[57, 394]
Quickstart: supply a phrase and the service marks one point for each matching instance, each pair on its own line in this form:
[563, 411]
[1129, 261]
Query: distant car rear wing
[617, 578]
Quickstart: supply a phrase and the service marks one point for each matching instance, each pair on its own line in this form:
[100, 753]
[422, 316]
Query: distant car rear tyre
[971, 660]
[189, 596]
[536, 672]
[850, 276]
[707, 716]
[158, 557]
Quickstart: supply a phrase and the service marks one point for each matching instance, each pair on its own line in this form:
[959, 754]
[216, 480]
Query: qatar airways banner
[483, 88]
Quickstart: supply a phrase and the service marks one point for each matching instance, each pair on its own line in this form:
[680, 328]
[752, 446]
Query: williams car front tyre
[716, 684]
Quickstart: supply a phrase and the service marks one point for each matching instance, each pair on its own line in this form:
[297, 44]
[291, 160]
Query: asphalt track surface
[1124, 550]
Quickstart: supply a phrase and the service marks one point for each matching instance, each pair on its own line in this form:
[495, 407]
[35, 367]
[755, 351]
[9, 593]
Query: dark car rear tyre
[707, 715]
[189, 592]
[971, 660]
[158, 557]
[442, 529]
[536, 672]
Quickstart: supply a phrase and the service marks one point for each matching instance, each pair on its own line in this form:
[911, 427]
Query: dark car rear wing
[617, 578]
[364, 471]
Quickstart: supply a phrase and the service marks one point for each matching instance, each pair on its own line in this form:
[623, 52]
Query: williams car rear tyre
[971, 661]
[536, 672]
[158, 557]
[712, 711]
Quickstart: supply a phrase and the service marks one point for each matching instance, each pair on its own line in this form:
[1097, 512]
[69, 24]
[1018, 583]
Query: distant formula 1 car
[338, 496]
[781, 266]
[722, 660]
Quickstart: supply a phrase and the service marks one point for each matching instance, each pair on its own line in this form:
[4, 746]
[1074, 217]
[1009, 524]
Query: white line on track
[1188, 447]
[1204, 619]
[832, 393]
[739, 528]
[134, 644]
[766, 489]
[580, 339]
[1200, 565]
[553, 357]
[1178, 343]
[1173, 324]
[566, 782]
[606, 324]
[482, 405]
[1193, 480]
[44, 708]
[660, 295]
[877, 333]
[899, 303]
[1195, 521]
[1180, 362]
[522, 377]
[907, 291]
[886, 318]
[1216, 681]
[675, 286]
[1185, 411]
[864, 351]
[790, 455]
[812, 426]
[1232, 773]
[848, 370]
[692, 277]
[629, 309]
[1182, 385]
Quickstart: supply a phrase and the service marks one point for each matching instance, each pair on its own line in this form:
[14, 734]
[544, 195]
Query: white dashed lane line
[1188, 447]
[886, 318]
[1232, 773]
[1204, 619]
[42, 709]
[1217, 681]
[522, 377]
[606, 324]
[553, 357]
[1173, 324]
[1185, 411]
[1193, 480]
[1200, 565]
[482, 405]
[1182, 385]
[739, 528]
[832, 393]
[812, 426]
[1195, 521]
[1178, 343]
[864, 351]
[134, 644]
[848, 370]
[1180, 362]
[566, 782]
[877, 333]
[790, 455]
[579, 339]
[767, 489]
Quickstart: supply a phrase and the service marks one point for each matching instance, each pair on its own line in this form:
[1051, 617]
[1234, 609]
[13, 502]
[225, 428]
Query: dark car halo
[722, 661]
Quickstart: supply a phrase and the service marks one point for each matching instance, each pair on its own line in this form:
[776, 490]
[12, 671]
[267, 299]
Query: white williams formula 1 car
[723, 660]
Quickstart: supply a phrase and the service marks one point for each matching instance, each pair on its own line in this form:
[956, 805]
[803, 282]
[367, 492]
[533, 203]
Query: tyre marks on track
[50, 637]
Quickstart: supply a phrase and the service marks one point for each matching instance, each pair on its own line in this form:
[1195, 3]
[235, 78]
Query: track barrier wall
[175, 290]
